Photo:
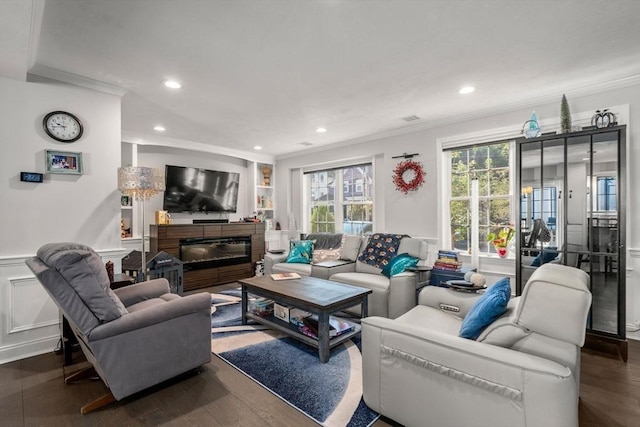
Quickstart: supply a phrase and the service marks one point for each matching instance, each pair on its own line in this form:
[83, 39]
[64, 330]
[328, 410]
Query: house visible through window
[340, 200]
[490, 164]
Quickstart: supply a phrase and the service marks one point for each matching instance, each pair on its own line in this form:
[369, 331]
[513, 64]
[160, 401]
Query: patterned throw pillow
[380, 249]
[322, 255]
[399, 264]
[300, 252]
[486, 309]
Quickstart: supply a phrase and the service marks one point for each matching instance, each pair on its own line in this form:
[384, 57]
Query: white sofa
[349, 249]
[523, 370]
[391, 297]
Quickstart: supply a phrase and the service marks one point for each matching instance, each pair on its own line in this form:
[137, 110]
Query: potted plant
[501, 240]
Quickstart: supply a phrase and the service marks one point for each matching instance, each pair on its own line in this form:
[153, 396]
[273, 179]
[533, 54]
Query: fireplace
[215, 252]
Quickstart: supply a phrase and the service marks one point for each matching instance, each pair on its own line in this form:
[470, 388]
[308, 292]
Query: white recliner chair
[523, 370]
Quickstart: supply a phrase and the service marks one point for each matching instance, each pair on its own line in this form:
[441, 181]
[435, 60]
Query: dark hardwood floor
[33, 393]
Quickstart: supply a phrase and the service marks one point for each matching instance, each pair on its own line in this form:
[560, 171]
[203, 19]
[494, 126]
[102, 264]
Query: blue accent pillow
[399, 264]
[486, 310]
[300, 252]
[547, 257]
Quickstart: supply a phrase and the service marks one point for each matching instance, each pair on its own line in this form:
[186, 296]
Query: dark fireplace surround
[212, 252]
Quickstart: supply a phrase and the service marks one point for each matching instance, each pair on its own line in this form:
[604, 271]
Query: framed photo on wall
[66, 162]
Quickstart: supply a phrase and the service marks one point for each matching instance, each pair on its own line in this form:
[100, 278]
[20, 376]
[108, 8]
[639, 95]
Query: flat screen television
[200, 190]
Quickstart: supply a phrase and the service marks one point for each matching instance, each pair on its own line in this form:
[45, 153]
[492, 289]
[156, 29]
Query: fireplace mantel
[167, 238]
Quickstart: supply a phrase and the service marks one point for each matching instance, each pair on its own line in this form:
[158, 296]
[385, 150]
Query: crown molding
[77, 80]
[550, 97]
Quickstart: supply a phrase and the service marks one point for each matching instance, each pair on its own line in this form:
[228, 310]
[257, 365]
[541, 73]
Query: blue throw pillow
[486, 310]
[547, 257]
[300, 252]
[399, 264]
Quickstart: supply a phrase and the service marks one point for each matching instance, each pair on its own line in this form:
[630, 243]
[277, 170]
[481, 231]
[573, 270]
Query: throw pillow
[300, 252]
[399, 264]
[322, 255]
[486, 309]
[546, 257]
[350, 247]
[380, 249]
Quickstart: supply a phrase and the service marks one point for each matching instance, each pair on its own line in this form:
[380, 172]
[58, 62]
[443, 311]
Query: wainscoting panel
[29, 319]
[30, 306]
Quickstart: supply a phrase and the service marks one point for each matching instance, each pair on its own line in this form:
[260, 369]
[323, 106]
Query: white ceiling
[268, 73]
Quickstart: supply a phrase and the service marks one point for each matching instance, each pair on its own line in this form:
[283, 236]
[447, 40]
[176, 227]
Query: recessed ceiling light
[466, 89]
[321, 130]
[159, 128]
[172, 84]
[257, 147]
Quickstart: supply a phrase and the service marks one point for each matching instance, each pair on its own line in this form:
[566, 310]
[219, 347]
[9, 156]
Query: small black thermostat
[31, 177]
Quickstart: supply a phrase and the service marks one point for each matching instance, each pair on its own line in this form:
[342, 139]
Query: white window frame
[339, 189]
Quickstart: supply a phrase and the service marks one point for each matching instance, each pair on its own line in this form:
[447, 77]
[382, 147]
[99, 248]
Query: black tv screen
[200, 190]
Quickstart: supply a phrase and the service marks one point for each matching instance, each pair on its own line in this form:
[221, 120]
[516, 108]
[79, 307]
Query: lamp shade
[140, 182]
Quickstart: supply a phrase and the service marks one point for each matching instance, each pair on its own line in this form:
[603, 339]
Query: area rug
[329, 393]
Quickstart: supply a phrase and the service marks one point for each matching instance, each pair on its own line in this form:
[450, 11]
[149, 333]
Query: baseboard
[11, 353]
[608, 345]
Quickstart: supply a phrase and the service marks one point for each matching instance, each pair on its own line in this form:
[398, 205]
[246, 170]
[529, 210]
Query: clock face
[62, 126]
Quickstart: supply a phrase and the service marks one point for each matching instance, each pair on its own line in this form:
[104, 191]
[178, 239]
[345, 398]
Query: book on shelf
[285, 276]
[336, 326]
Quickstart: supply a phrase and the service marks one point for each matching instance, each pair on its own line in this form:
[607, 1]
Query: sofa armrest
[156, 314]
[324, 270]
[402, 294]
[498, 384]
[272, 259]
[138, 292]
[437, 297]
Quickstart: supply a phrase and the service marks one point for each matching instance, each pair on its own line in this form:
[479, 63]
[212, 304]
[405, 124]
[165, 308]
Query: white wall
[417, 213]
[82, 209]
[158, 157]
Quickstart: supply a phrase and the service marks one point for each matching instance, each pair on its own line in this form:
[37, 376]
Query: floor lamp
[140, 183]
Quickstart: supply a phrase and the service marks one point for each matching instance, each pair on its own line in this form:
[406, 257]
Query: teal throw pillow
[399, 264]
[300, 252]
[486, 310]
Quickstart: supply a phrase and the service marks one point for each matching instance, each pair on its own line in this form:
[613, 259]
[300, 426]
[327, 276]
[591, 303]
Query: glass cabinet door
[571, 212]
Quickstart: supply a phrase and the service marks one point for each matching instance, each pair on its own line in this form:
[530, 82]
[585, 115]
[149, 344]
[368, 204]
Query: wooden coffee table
[317, 296]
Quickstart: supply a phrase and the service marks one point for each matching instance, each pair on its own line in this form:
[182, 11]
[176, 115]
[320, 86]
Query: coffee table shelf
[292, 330]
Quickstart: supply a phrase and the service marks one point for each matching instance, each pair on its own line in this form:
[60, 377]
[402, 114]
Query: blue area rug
[330, 393]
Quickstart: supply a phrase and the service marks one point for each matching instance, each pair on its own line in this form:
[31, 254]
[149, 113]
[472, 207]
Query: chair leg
[98, 403]
[82, 374]
[90, 373]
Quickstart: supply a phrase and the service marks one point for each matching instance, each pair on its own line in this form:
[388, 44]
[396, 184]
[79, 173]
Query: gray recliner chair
[134, 337]
[523, 369]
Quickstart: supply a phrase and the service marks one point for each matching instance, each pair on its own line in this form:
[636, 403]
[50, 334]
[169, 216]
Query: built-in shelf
[264, 194]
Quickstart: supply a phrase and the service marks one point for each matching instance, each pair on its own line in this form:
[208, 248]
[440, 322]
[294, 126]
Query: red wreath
[418, 176]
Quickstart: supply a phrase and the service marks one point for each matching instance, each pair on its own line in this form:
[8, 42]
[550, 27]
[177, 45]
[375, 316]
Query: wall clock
[62, 126]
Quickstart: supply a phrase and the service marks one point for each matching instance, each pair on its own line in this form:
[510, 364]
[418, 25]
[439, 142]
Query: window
[543, 205]
[606, 193]
[340, 200]
[490, 165]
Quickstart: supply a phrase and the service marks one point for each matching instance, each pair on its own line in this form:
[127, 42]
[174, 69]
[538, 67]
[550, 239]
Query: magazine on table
[285, 276]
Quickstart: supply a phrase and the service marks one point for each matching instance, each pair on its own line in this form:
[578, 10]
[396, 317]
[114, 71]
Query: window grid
[341, 200]
[488, 164]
